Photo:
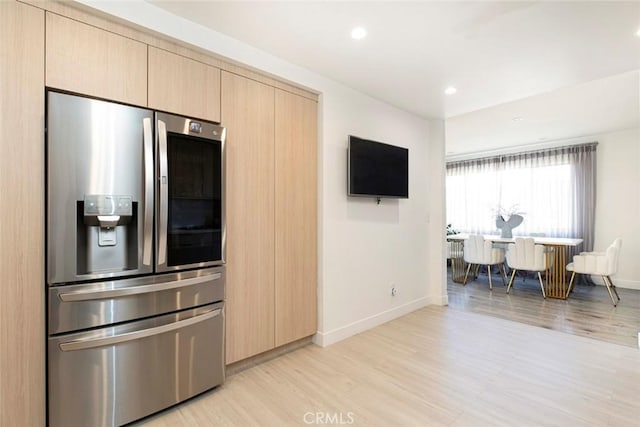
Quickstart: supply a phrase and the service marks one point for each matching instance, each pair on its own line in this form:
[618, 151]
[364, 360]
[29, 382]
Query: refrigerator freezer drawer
[77, 307]
[115, 375]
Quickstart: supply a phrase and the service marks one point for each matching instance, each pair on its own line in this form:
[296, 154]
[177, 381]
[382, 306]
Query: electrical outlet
[394, 291]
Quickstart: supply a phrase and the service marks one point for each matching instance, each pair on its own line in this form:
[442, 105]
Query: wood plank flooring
[588, 312]
[434, 367]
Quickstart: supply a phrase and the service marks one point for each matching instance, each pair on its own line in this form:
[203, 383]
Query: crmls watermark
[334, 418]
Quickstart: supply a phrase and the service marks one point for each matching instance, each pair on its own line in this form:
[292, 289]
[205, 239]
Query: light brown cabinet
[248, 116]
[96, 62]
[183, 86]
[22, 355]
[296, 217]
[91, 61]
[271, 216]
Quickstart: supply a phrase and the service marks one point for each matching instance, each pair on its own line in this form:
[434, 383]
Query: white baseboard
[324, 339]
[620, 283]
[628, 284]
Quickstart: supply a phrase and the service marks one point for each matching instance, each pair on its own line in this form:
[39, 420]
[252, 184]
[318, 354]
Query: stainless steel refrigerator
[135, 260]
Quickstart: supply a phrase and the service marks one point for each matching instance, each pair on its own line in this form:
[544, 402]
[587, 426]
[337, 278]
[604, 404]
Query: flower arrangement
[506, 214]
[451, 230]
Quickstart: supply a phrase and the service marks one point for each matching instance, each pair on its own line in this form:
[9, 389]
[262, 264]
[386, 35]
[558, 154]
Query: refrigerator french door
[190, 193]
[135, 260]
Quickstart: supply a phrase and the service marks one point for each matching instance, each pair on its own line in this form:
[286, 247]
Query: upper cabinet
[85, 59]
[183, 86]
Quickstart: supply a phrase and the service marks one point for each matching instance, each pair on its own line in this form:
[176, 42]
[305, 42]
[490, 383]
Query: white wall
[618, 201]
[437, 212]
[364, 248]
[367, 247]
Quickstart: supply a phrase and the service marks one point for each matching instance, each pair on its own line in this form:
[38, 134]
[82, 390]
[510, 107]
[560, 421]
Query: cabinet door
[247, 114]
[296, 217]
[22, 355]
[91, 61]
[183, 86]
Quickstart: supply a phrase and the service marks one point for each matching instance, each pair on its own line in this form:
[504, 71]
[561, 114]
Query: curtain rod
[514, 152]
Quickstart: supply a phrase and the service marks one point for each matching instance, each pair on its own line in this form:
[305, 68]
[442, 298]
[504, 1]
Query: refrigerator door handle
[164, 193]
[136, 335]
[148, 191]
[135, 290]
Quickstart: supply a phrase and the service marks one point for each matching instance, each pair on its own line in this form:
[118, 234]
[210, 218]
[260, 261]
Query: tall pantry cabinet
[22, 383]
[296, 217]
[271, 216]
[248, 116]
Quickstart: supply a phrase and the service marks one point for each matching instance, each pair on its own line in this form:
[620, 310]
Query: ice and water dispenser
[107, 233]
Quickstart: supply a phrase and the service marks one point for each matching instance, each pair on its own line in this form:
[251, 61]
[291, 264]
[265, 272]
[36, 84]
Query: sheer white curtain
[553, 189]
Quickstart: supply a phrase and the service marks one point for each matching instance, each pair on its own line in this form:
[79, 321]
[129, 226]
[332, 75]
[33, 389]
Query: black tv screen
[377, 169]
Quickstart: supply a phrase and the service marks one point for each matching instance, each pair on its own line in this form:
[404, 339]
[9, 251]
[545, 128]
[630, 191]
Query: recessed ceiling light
[358, 33]
[450, 90]
[517, 119]
[638, 32]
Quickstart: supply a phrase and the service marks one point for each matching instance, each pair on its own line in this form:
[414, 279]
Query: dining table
[556, 283]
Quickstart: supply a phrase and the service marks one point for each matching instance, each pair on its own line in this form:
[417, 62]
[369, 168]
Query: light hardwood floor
[434, 367]
[588, 312]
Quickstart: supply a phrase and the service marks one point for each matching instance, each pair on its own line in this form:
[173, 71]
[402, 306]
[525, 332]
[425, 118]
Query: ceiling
[585, 110]
[501, 57]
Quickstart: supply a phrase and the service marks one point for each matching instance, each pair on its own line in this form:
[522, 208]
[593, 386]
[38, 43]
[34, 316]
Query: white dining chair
[478, 251]
[603, 264]
[524, 254]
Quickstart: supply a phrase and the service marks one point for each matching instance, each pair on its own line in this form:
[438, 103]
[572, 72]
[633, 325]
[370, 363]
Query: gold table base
[457, 261]
[556, 275]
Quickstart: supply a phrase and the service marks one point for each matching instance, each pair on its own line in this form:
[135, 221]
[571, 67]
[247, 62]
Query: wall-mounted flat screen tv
[377, 170]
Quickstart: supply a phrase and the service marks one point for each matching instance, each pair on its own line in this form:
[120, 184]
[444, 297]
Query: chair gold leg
[489, 275]
[504, 275]
[513, 273]
[466, 274]
[573, 276]
[544, 295]
[606, 282]
[615, 289]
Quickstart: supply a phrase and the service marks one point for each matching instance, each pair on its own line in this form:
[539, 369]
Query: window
[554, 190]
